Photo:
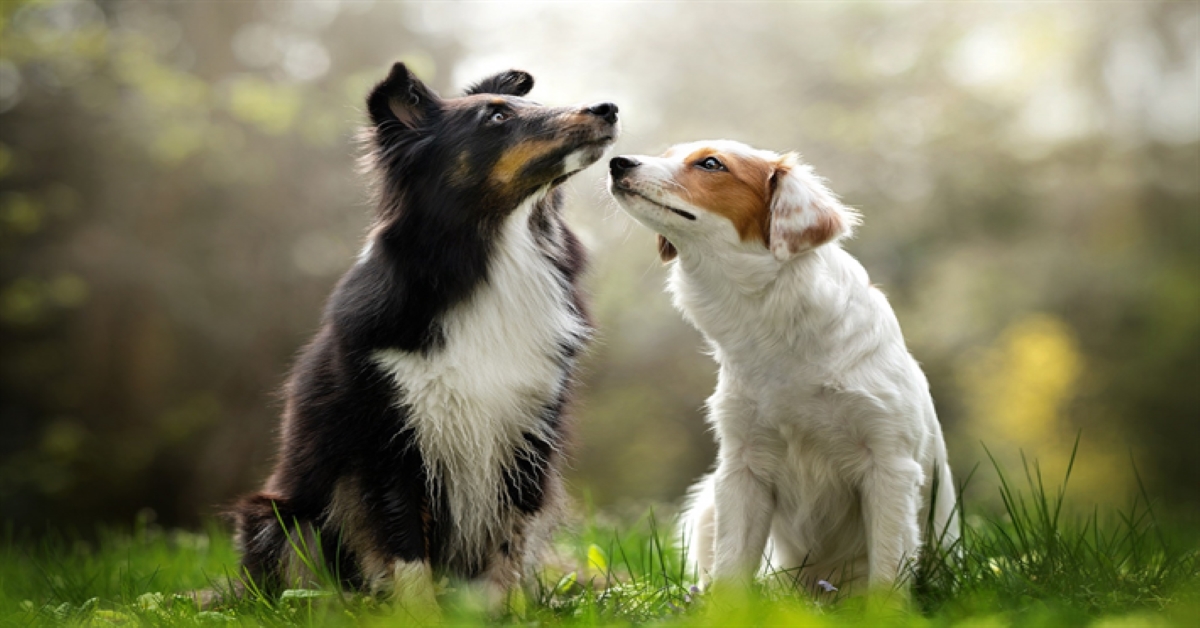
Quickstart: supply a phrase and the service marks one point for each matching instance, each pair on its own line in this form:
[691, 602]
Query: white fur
[576, 161]
[367, 250]
[471, 401]
[828, 440]
[414, 593]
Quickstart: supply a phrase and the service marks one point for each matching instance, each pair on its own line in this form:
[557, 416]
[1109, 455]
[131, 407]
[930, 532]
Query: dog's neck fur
[744, 299]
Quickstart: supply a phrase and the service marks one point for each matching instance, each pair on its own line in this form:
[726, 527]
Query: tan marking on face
[740, 193]
[583, 118]
[462, 168]
[515, 158]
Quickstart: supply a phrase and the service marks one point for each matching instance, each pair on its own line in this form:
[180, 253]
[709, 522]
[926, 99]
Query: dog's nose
[620, 165]
[605, 110]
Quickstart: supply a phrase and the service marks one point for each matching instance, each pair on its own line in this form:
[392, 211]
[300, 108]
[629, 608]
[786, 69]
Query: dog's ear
[510, 83]
[804, 213]
[402, 97]
[666, 250]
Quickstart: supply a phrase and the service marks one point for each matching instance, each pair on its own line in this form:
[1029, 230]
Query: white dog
[829, 444]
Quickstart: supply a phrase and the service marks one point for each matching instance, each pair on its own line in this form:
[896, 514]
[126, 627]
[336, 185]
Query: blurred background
[178, 195]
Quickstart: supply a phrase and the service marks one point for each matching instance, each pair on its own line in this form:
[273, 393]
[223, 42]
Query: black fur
[448, 173]
[511, 83]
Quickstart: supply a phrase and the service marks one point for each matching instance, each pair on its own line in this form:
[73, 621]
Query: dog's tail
[269, 540]
[261, 541]
[697, 525]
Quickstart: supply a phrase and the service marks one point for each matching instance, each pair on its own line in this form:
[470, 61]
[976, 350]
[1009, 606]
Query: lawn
[1029, 564]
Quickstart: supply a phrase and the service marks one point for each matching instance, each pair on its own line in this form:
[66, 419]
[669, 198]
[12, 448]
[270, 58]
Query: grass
[1032, 563]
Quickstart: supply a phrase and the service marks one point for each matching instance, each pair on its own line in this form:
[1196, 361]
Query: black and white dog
[424, 424]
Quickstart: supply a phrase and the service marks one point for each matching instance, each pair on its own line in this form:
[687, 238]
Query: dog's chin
[581, 158]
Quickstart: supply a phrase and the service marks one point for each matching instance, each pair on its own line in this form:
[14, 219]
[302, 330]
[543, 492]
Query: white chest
[470, 402]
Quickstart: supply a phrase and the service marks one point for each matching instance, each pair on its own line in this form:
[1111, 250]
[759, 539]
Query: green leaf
[304, 594]
[596, 558]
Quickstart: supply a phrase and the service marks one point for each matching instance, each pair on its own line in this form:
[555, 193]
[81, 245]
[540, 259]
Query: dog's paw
[412, 593]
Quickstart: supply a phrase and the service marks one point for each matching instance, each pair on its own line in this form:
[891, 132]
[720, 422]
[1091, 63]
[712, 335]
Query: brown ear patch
[741, 193]
[666, 250]
[804, 213]
[826, 227]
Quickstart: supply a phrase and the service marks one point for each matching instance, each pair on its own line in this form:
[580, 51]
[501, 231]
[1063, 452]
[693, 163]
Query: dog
[424, 425]
[830, 451]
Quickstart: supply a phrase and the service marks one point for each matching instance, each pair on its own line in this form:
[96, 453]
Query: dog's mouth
[595, 146]
[594, 138]
[679, 212]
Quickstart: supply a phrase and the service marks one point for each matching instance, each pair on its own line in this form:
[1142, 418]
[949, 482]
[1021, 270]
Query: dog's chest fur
[472, 403]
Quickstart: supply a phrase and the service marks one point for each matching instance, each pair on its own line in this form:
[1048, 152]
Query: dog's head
[722, 193]
[492, 145]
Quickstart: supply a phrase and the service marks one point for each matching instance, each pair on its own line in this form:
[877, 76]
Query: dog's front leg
[499, 583]
[744, 500]
[890, 500]
[386, 529]
[744, 505]
[413, 591]
[743, 497]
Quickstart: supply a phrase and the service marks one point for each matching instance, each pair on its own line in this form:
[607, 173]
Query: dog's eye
[498, 117]
[711, 163]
